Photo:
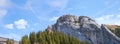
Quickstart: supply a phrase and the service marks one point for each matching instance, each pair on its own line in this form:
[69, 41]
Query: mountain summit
[84, 28]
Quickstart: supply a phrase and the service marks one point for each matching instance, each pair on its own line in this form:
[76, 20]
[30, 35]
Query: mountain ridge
[5, 40]
[85, 28]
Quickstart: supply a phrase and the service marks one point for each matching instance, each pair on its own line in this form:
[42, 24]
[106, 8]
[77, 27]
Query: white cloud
[3, 12]
[105, 17]
[4, 5]
[54, 18]
[11, 36]
[57, 3]
[9, 26]
[108, 19]
[21, 24]
[28, 6]
[118, 16]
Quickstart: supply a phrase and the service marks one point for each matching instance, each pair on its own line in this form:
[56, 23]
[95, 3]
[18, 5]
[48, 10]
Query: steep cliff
[84, 28]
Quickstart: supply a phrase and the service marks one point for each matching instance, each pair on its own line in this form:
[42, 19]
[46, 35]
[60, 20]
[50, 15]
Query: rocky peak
[74, 19]
[84, 28]
[85, 19]
[67, 19]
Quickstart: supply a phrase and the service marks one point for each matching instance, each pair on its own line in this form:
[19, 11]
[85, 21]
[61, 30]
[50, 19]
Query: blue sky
[20, 17]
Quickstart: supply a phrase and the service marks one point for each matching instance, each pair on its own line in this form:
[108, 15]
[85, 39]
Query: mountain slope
[84, 28]
[114, 28]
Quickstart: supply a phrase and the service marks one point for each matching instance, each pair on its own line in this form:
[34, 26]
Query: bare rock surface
[86, 29]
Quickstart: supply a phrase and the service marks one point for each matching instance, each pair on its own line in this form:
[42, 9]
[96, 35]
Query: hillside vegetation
[115, 29]
[47, 37]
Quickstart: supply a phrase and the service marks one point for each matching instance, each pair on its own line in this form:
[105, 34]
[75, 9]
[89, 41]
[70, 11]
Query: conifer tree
[54, 37]
[25, 40]
[10, 41]
[33, 38]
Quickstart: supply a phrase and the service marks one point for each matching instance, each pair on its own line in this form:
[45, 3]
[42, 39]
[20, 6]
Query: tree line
[47, 37]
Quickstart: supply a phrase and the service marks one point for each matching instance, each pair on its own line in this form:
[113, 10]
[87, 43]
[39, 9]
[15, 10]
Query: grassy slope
[115, 29]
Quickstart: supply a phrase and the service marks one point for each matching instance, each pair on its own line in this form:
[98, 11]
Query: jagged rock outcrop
[84, 28]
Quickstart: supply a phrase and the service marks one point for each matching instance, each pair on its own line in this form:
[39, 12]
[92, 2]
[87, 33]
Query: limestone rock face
[84, 28]
[109, 37]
